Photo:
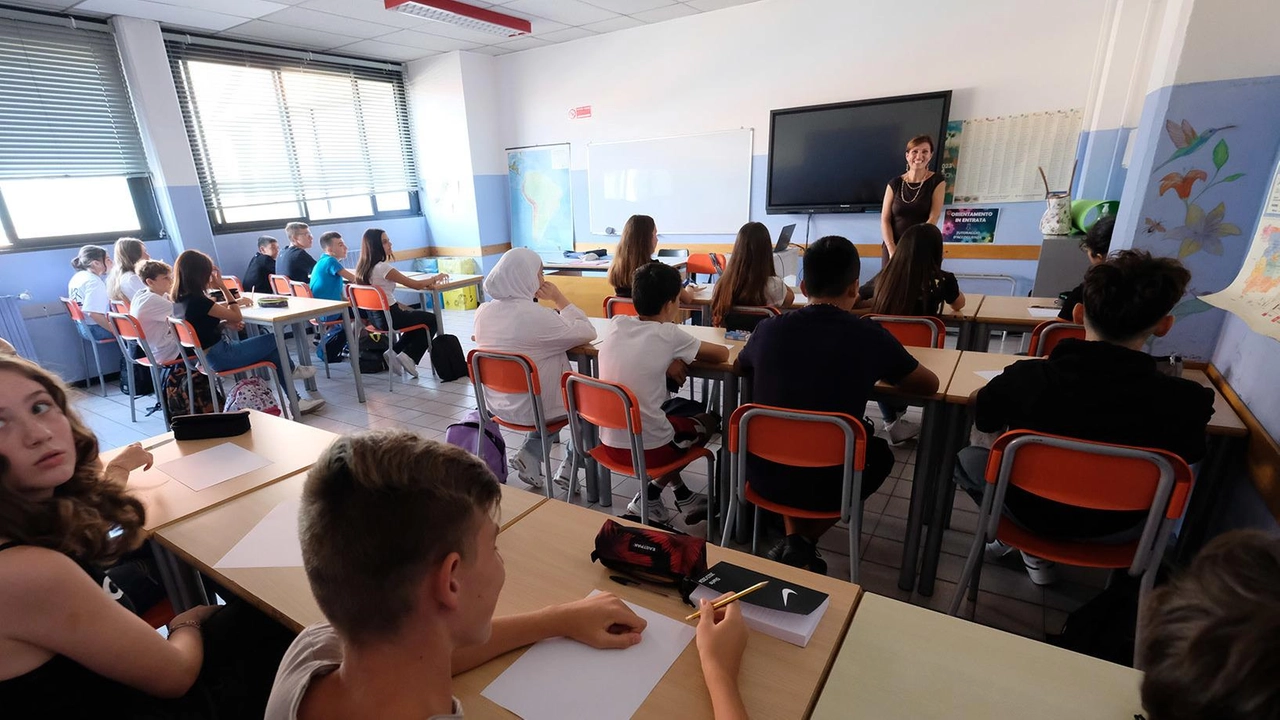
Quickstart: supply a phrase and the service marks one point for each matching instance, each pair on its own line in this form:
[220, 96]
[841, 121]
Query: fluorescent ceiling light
[462, 15]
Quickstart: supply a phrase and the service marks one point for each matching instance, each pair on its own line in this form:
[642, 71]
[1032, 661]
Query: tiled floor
[1008, 599]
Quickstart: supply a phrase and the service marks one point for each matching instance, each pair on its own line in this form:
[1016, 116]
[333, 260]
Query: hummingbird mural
[1186, 140]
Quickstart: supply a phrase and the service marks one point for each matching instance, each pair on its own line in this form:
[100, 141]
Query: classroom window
[72, 166]
[280, 136]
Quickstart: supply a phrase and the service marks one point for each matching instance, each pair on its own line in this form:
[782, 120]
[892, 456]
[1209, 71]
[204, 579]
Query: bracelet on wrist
[184, 624]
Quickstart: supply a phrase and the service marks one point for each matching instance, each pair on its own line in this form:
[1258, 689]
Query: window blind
[64, 105]
[276, 131]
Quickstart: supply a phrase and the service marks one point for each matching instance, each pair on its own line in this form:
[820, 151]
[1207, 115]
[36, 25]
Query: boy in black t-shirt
[1103, 388]
[824, 358]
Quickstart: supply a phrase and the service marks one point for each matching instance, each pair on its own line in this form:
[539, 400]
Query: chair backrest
[503, 372]
[127, 327]
[300, 289]
[73, 307]
[798, 438]
[367, 297]
[673, 252]
[704, 264]
[233, 283]
[601, 403]
[914, 330]
[614, 305]
[1046, 336]
[120, 306]
[747, 317]
[185, 334]
[280, 284]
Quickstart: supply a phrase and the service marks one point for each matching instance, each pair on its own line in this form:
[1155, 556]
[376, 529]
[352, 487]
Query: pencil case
[273, 301]
[652, 555]
[210, 425]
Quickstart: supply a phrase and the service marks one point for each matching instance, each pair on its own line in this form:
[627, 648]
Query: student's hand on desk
[678, 370]
[439, 280]
[244, 302]
[130, 458]
[601, 621]
[722, 638]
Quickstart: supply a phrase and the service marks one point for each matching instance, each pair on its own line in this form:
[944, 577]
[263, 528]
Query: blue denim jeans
[91, 330]
[227, 355]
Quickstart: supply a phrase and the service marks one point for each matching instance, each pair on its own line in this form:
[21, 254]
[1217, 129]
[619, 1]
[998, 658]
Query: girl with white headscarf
[515, 322]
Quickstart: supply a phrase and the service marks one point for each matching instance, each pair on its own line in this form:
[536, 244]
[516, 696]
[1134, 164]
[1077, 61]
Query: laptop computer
[784, 238]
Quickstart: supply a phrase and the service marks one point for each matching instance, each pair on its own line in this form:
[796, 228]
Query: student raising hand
[722, 638]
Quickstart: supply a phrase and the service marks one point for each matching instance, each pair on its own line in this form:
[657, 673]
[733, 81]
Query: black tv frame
[939, 138]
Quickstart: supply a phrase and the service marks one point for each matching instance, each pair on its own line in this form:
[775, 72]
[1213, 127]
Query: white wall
[1229, 40]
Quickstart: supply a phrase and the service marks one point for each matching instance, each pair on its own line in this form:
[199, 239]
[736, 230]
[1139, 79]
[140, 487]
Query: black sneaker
[800, 552]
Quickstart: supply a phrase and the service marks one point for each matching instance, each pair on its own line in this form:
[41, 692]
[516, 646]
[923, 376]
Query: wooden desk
[547, 557]
[299, 311]
[941, 361]
[456, 282]
[1003, 313]
[902, 661]
[289, 445]
[580, 267]
[966, 381]
[281, 592]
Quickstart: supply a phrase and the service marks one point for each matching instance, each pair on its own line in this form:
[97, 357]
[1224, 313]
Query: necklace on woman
[908, 186]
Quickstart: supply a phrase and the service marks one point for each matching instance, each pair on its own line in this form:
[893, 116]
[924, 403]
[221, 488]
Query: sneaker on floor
[901, 430]
[562, 475]
[797, 551]
[310, 405]
[658, 511]
[693, 507]
[527, 468]
[304, 372]
[393, 363]
[407, 363]
[997, 551]
[1041, 571]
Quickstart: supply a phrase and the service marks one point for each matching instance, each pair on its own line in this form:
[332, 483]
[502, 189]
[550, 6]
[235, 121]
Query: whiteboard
[690, 184]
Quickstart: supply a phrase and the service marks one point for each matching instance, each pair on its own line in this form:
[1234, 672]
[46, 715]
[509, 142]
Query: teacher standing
[912, 198]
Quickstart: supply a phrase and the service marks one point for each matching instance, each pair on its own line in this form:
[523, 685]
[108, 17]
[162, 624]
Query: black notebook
[782, 609]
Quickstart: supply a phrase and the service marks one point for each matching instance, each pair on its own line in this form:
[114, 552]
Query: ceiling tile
[443, 29]
[493, 50]
[425, 41]
[378, 50]
[523, 43]
[709, 5]
[627, 7]
[44, 4]
[541, 26]
[569, 12]
[239, 8]
[664, 13]
[291, 36]
[621, 22]
[366, 10]
[328, 22]
[566, 35]
[167, 14]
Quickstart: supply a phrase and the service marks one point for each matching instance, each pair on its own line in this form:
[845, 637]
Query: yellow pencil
[736, 596]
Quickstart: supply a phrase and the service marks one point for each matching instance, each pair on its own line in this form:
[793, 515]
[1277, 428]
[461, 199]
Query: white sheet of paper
[1043, 312]
[217, 464]
[607, 684]
[987, 375]
[273, 542]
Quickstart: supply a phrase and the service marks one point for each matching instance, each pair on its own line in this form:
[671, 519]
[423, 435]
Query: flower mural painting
[1203, 231]
[1200, 230]
[1180, 183]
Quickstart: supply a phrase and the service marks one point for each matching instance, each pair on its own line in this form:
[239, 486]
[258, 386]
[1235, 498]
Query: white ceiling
[364, 28]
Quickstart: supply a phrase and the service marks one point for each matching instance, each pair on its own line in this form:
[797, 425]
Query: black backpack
[447, 357]
[136, 375]
[373, 348]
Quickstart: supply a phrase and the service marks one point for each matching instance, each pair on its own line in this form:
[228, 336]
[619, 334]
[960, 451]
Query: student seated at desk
[88, 290]
[749, 279]
[375, 269]
[842, 356]
[196, 275]
[1103, 388]
[1096, 244]
[640, 352]
[71, 643]
[637, 246]
[1210, 635]
[514, 322]
[261, 265]
[399, 542]
[326, 282]
[294, 262]
[123, 281]
[152, 308]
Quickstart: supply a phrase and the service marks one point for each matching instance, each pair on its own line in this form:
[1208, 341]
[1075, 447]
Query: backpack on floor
[174, 382]
[136, 375]
[447, 357]
[252, 393]
[373, 348]
[333, 345]
[493, 448]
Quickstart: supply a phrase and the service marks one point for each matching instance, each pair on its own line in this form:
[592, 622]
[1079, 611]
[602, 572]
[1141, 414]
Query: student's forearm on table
[509, 633]
[726, 700]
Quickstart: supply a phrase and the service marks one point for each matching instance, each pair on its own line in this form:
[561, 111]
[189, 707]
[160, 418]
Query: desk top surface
[902, 661]
[1006, 310]
[702, 296]
[547, 557]
[281, 592]
[455, 281]
[299, 308]
[290, 447]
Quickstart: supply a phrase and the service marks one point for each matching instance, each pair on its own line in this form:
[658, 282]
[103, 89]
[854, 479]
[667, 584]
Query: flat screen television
[839, 157]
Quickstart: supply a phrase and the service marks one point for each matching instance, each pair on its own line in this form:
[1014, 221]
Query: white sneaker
[658, 511]
[1041, 571]
[562, 475]
[304, 372]
[408, 364]
[901, 430]
[997, 551]
[310, 405]
[527, 468]
[393, 363]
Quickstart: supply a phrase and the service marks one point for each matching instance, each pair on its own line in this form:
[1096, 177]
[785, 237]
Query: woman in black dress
[912, 198]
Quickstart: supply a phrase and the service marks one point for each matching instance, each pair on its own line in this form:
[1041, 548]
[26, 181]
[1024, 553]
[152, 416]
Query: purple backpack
[493, 448]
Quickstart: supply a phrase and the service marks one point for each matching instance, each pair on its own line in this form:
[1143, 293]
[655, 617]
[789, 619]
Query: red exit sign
[581, 112]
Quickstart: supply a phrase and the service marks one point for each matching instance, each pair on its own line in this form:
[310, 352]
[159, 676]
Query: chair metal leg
[855, 542]
[548, 484]
[133, 390]
[970, 565]
[755, 531]
[97, 360]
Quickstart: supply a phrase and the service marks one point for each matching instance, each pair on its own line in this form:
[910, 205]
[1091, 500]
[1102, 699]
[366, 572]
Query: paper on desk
[273, 542]
[217, 464]
[1043, 312]
[606, 684]
[987, 375]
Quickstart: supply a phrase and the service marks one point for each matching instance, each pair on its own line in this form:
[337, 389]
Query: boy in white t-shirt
[639, 352]
[152, 308]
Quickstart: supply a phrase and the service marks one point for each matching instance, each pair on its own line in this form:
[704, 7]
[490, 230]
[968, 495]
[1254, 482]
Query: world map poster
[1255, 294]
[541, 202]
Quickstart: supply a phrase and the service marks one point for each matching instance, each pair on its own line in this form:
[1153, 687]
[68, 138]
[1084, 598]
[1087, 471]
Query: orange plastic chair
[129, 329]
[187, 338]
[82, 327]
[1094, 475]
[747, 317]
[614, 305]
[121, 306]
[280, 284]
[233, 283]
[1046, 336]
[914, 330]
[371, 299]
[303, 290]
[516, 374]
[798, 438]
[709, 264]
[611, 405]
